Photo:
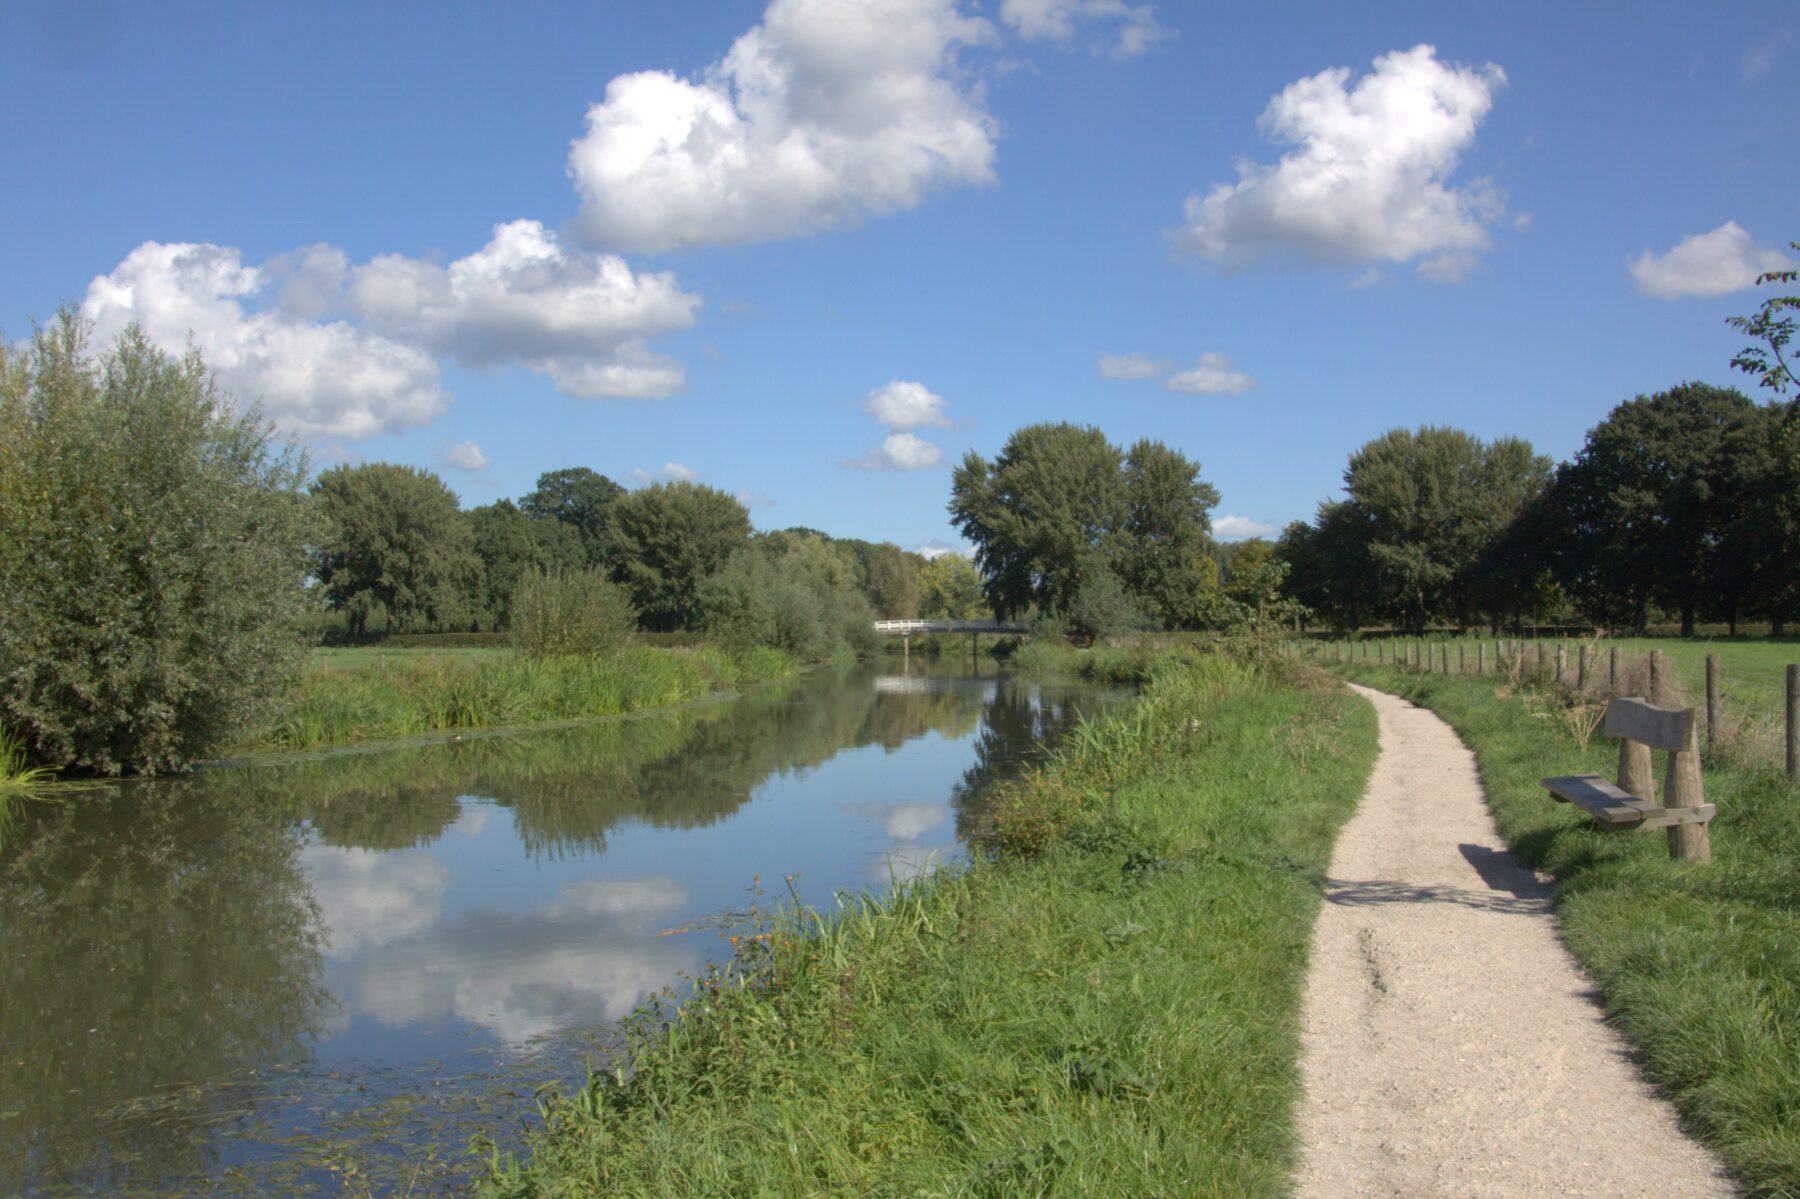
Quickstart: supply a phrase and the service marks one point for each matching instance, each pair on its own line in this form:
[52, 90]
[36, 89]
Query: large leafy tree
[1042, 515]
[892, 582]
[1060, 506]
[392, 536]
[151, 556]
[578, 498]
[1644, 505]
[1430, 501]
[665, 540]
[510, 544]
[1163, 556]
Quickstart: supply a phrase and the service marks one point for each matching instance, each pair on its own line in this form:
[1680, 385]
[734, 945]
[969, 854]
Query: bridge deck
[947, 626]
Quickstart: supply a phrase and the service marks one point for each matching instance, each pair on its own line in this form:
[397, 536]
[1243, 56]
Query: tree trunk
[1687, 619]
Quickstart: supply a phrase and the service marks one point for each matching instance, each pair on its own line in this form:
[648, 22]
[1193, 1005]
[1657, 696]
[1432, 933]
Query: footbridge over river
[905, 629]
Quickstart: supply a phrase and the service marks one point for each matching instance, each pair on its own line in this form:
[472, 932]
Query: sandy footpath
[1452, 1046]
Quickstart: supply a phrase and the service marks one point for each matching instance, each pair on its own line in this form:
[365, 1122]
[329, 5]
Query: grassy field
[1753, 675]
[1110, 1006]
[1699, 965]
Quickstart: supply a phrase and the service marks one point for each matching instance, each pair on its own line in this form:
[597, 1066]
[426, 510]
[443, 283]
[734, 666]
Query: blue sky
[814, 253]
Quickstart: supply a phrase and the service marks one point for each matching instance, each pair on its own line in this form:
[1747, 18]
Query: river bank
[1106, 1004]
[1698, 965]
[376, 701]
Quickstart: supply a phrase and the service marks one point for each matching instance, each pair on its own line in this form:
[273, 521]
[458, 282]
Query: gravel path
[1452, 1045]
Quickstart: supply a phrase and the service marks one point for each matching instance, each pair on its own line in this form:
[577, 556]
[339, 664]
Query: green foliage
[432, 694]
[1649, 511]
[1768, 361]
[1060, 503]
[1163, 553]
[793, 592]
[950, 589]
[509, 544]
[150, 556]
[392, 539]
[667, 539]
[571, 613]
[893, 582]
[580, 500]
[1111, 1011]
[1103, 608]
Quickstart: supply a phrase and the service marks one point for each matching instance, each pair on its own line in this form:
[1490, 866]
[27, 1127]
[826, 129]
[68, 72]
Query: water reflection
[151, 939]
[168, 949]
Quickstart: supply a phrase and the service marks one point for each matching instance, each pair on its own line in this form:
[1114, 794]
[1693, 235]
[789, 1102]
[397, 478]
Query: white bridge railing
[947, 626]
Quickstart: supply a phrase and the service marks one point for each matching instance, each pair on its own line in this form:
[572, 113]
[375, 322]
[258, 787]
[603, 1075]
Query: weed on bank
[379, 702]
[1105, 1003]
[1698, 964]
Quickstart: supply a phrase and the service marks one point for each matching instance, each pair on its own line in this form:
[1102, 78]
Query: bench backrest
[1659, 728]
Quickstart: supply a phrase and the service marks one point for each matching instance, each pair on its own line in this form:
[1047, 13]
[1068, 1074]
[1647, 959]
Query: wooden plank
[1600, 799]
[1668, 817]
[1662, 728]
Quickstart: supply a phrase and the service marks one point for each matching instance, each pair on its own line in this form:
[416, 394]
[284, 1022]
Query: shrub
[570, 613]
[150, 555]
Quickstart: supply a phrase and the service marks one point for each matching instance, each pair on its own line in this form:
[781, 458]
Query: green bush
[150, 556]
[570, 613]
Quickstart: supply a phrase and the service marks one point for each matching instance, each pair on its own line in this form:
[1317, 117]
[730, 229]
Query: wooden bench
[1640, 728]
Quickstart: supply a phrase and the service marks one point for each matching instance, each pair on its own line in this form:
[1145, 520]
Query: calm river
[323, 976]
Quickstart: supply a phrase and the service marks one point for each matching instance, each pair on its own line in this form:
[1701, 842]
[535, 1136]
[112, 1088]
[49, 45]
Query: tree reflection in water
[161, 947]
[152, 939]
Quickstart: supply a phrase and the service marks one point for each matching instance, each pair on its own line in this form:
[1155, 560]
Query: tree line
[1685, 503]
[396, 551]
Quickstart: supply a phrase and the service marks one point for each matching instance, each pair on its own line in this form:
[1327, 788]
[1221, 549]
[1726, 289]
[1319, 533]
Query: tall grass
[423, 695]
[1110, 1008]
[1699, 965]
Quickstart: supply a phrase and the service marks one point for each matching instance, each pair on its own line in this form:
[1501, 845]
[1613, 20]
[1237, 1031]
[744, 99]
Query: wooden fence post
[1656, 686]
[1444, 659]
[1540, 646]
[1381, 651]
[1793, 723]
[1580, 667]
[1481, 657]
[1562, 662]
[1612, 670]
[1683, 789]
[1462, 658]
[1712, 703]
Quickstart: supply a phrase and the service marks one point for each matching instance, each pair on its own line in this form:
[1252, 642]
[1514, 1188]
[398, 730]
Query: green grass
[432, 692]
[1753, 676]
[365, 657]
[1110, 1006]
[1699, 965]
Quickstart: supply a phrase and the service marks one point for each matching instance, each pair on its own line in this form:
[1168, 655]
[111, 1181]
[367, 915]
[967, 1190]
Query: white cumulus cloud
[823, 112]
[1213, 375]
[1131, 366]
[902, 405]
[1367, 179]
[1235, 527]
[1706, 264]
[1056, 20]
[900, 451]
[582, 319]
[466, 455]
[314, 379]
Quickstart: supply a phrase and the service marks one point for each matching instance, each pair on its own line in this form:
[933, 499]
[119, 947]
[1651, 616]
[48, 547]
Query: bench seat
[1615, 808]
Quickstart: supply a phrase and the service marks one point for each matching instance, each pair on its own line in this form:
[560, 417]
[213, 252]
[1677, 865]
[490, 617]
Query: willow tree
[151, 555]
